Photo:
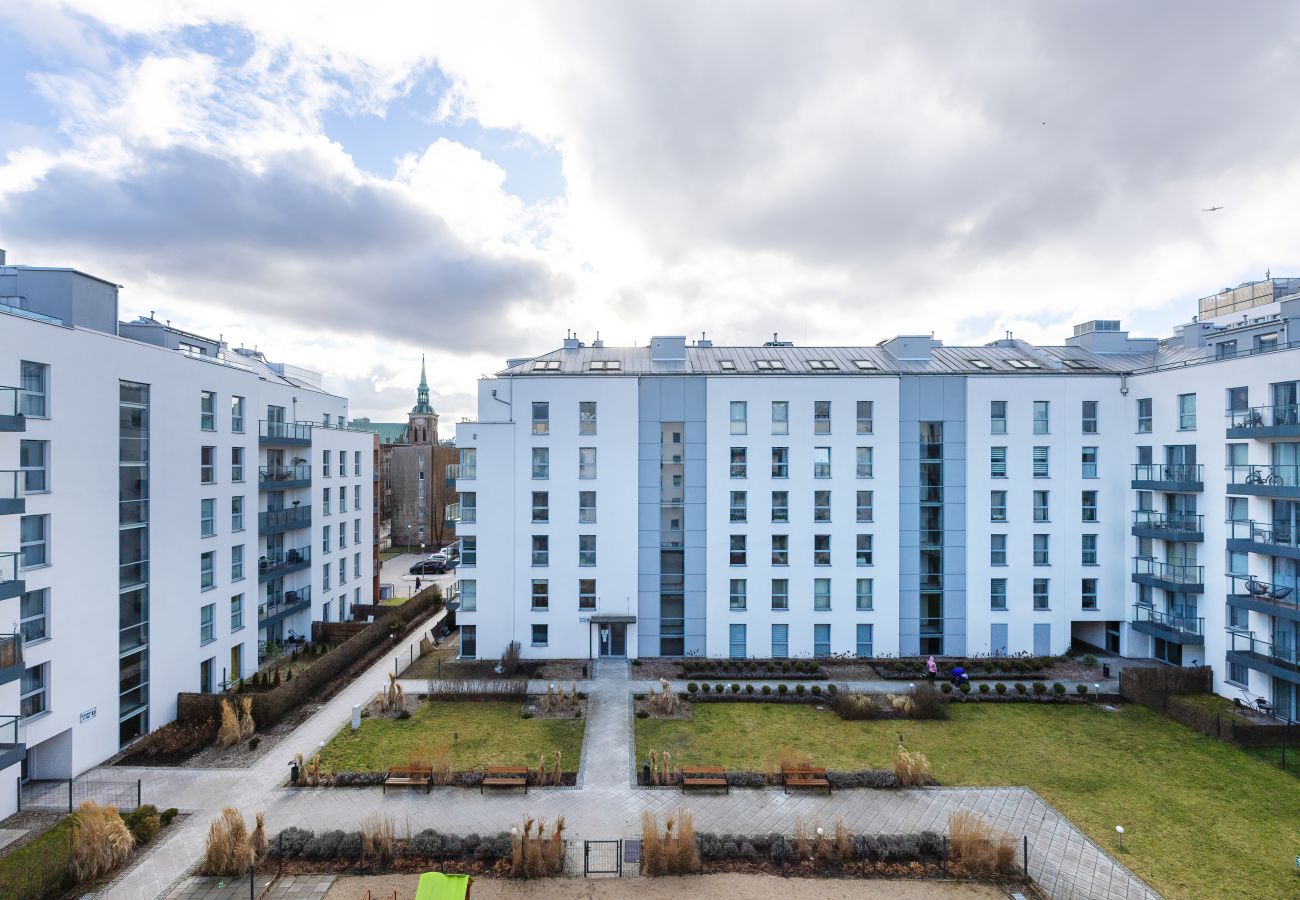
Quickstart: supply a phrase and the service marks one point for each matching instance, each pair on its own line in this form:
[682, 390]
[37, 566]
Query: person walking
[931, 669]
[417, 584]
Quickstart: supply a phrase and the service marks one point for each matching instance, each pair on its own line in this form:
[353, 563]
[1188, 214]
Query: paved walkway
[605, 804]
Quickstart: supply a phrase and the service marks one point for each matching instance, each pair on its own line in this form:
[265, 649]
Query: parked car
[434, 565]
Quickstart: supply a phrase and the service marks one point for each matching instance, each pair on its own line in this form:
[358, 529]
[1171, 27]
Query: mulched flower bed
[750, 669]
[302, 851]
[469, 778]
[879, 779]
[641, 704]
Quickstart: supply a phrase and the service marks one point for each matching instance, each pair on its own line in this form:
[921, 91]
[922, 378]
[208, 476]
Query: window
[541, 506]
[208, 465]
[540, 632]
[866, 555]
[586, 593]
[1041, 416]
[236, 513]
[207, 623]
[865, 630]
[1089, 553]
[541, 594]
[541, 417]
[823, 365]
[586, 549]
[866, 594]
[586, 507]
[739, 417]
[207, 570]
[356, 565]
[343, 536]
[1041, 506]
[997, 549]
[34, 537]
[325, 577]
[1042, 553]
[1041, 593]
[1265, 343]
[208, 410]
[325, 458]
[780, 506]
[739, 511]
[34, 615]
[356, 497]
[821, 506]
[586, 417]
[738, 594]
[780, 417]
[821, 417]
[469, 462]
[738, 462]
[821, 640]
[541, 550]
[821, 593]
[1089, 421]
[469, 641]
[586, 463]
[34, 460]
[997, 506]
[343, 496]
[1225, 350]
[997, 417]
[865, 462]
[1238, 673]
[356, 467]
[237, 464]
[1041, 467]
[468, 507]
[1144, 415]
[35, 382]
[780, 549]
[1238, 509]
[866, 506]
[780, 641]
[821, 462]
[343, 462]
[356, 531]
[736, 641]
[468, 597]
[237, 612]
[207, 517]
[1186, 412]
[31, 690]
[606, 365]
[997, 462]
[737, 553]
[325, 502]
[237, 415]
[780, 462]
[780, 593]
[1088, 508]
[1088, 460]
[541, 464]
[1088, 593]
[997, 593]
[821, 549]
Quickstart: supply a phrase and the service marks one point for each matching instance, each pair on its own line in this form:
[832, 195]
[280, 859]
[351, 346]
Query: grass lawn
[40, 868]
[1201, 818]
[490, 734]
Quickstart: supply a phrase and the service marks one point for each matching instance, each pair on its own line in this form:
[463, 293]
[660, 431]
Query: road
[395, 572]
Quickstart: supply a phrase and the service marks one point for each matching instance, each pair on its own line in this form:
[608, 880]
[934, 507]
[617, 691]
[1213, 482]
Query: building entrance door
[613, 639]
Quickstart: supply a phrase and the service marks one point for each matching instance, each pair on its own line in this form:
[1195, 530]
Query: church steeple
[422, 405]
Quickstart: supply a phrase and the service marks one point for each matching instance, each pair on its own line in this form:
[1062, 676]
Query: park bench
[504, 777]
[704, 777]
[805, 777]
[409, 776]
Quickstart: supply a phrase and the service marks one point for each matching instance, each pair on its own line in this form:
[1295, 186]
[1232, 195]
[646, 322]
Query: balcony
[12, 750]
[452, 473]
[1268, 539]
[1280, 600]
[1265, 481]
[11, 415]
[280, 478]
[12, 502]
[277, 565]
[1180, 527]
[1278, 660]
[1178, 477]
[284, 434]
[291, 518]
[1264, 422]
[11, 657]
[278, 606]
[1181, 579]
[10, 584]
[1168, 626]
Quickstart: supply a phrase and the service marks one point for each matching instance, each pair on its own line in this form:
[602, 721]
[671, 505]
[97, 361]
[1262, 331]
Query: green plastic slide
[437, 886]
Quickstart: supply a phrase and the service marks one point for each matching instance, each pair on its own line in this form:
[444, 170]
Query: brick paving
[606, 804]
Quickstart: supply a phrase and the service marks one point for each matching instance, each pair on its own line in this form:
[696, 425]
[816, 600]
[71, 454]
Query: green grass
[490, 734]
[1202, 818]
[38, 869]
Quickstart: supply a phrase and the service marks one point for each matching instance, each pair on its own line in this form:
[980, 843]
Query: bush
[831, 689]
[1000, 688]
[852, 706]
[253, 742]
[877, 779]
[928, 702]
[783, 689]
[1059, 689]
[642, 714]
[290, 842]
[1089, 660]
[1081, 689]
[946, 687]
[767, 690]
[692, 687]
[705, 687]
[749, 689]
[984, 687]
[816, 690]
[800, 690]
[404, 714]
[143, 823]
[100, 841]
[911, 767]
[1020, 688]
[1039, 689]
[978, 848]
[746, 780]
[719, 689]
[636, 662]
[965, 687]
[324, 845]
[735, 688]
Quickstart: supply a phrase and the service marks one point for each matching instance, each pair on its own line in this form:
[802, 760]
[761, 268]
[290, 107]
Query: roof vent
[777, 342]
[571, 341]
[912, 347]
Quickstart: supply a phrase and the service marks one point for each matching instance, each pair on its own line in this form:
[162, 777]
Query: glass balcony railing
[284, 603]
[283, 559]
[284, 519]
[1265, 476]
[10, 401]
[9, 732]
[1269, 534]
[1248, 648]
[1173, 573]
[11, 657]
[1170, 621]
[271, 475]
[298, 432]
[1173, 473]
[1172, 522]
[1280, 416]
[1250, 587]
[8, 567]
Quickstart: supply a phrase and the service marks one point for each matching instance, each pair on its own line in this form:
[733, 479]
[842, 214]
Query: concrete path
[605, 804]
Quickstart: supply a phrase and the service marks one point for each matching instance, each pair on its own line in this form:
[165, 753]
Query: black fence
[68, 794]
[602, 858]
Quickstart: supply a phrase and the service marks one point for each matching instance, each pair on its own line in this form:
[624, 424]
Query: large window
[1042, 550]
[997, 417]
[207, 623]
[237, 562]
[207, 517]
[34, 615]
[1042, 506]
[780, 641]
[821, 462]
[821, 594]
[1089, 552]
[34, 460]
[821, 506]
[541, 506]
[866, 552]
[469, 641]
[36, 386]
[780, 417]
[997, 506]
[541, 550]
[541, 417]
[736, 641]
[1088, 506]
[780, 549]
[1042, 417]
[866, 416]
[586, 507]
[1042, 594]
[997, 593]
[866, 506]
[469, 462]
[997, 549]
[1088, 421]
[1144, 415]
[737, 553]
[738, 594]
[739, 506]
[586, 549]
[780, 506]
[739, 417]
[586, 593]
[1186, 412]
[865, 462]
[237, 612]
[821, 417]
[586, 462]
[586, 417]
[997, 462]
[541, 594]
[780, 593]
[236, 464]
[821, 640]
[468, 597]
[1088, 593]
[326, 457]
[866, 594]
[207, 570]
[1088, 460]
[821, 549]
[34, 537]
[739, 463]
[1042, 465]
[208, 410]
[864, 643]
[541, 463]
[780, 462]
[208, 465]
[237, 415]
[32, 691]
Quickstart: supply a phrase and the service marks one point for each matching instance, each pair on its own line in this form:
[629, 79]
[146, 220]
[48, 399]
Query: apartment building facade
[905, 498]
[171, 507]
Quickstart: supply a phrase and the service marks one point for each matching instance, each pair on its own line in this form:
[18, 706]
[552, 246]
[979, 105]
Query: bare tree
[441, 496]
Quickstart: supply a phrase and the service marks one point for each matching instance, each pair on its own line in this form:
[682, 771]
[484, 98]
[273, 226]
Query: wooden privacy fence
[1163, 690]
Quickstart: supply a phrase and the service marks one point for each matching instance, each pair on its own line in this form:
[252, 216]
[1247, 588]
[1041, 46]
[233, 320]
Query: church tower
[422, 421]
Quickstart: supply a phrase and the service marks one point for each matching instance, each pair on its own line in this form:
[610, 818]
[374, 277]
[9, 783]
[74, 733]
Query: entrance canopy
[608, 619]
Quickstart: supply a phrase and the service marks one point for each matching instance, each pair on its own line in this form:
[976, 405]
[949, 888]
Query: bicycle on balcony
[1257, 476]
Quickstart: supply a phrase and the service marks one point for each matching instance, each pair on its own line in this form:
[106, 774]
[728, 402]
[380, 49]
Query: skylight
[1023, 364]
[979, 363]
[727, 365]
[1078, 364]
[865, 365]
[606, 365]
[823, 364]
[546, 365]
[769, 365]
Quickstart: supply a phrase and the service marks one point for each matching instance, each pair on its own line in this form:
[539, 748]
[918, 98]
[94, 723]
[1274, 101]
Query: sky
[354, 186]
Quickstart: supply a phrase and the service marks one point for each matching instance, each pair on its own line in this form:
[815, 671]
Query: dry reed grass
[246, 724]
[978, 847]
[229, 850]
[911, 767]
[378, 837]
[537, 856]
[674, 852]
[228, 733]
[100, 841]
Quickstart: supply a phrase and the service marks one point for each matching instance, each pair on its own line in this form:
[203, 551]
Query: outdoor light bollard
[356, 716]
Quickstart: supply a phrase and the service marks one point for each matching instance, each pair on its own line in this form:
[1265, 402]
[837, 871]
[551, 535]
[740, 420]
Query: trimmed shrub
[704, 688]
[800, 690]
[749, 689]
[1039, 689]
[946, 687]
[1059, 689]
[735, 688]
[1081, 689]
[291, 842]
[816, 690]
[718, 688]
[1089, 660]
[1000, 688]
[143, 823]
[831, 689]
[965, 687]
[1020, 688]
[783, 689]
[692, 687]
[984, 687]
[767, 690]
[746, 780]
[877, 779]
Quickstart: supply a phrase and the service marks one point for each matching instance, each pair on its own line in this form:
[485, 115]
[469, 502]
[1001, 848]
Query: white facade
[214, 576]
[1020, 500]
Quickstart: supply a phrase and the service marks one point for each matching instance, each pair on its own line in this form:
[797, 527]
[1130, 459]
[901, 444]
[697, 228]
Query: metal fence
[68, 794]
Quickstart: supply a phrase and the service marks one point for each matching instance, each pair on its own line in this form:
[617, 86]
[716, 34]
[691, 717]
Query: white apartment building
[168, 505]
[1133, 495]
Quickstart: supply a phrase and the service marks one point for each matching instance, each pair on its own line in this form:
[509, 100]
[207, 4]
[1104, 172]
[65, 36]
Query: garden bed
[914, 668]
[879, 779]
[750, 669]
[302, 851]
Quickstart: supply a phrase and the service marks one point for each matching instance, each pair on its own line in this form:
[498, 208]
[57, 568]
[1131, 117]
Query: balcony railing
[11, 410]
[1245, 648]
[1159, 621]
[1263, 477]
[12, 501]
[11, 657]
[284, 519]
[11, 749]
[284, 432]
[1168, 476]
[1253, 593]
[279, 563]
[1176, 575]
[1177, 526]
[283, 604]
[1282, 420]
[10, 585]
[1264, 534]
[282, 476]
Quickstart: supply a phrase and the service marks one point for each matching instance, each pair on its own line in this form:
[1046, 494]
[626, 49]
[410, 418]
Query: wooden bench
[805, 777]
[505, 777]
[704, 777]
[409, 776]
